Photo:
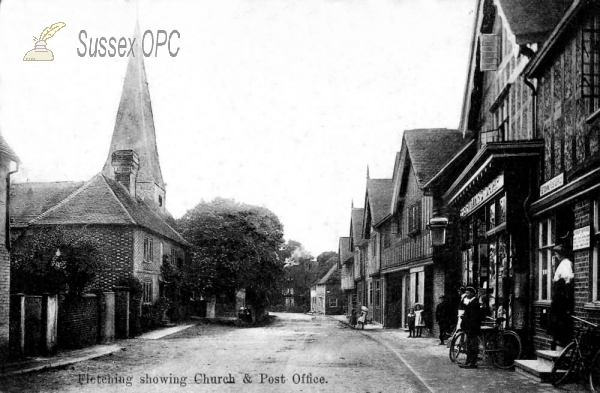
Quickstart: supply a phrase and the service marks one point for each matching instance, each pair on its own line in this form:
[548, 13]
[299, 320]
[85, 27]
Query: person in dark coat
[443, 316]
[471, 325]
[560, 325]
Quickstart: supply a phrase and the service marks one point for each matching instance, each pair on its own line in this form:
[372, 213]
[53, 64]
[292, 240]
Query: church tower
[133, 155]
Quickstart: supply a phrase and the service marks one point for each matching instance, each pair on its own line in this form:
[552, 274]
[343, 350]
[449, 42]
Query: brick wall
[118, 245]
[78, 321]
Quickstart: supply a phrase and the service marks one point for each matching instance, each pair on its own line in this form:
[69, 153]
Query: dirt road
[296, 353]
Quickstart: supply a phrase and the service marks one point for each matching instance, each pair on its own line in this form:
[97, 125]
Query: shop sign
[552, 184]
[483, 195]
[581, 238]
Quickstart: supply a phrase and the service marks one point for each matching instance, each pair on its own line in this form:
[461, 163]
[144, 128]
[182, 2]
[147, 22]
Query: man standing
[443, 316]
[561, 308]
[471, 325]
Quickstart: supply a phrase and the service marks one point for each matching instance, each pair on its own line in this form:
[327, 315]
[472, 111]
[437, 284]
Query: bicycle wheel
[458, 348]
[595, 373]
[508, 349]
[564, 365]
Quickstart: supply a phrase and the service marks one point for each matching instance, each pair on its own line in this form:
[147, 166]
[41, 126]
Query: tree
[55, 260]
[234, 246]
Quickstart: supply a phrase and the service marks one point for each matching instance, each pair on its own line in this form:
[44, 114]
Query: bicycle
[581, 355]
[503, 346]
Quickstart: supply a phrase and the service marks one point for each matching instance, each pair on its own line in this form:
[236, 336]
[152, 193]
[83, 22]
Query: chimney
[126, 164]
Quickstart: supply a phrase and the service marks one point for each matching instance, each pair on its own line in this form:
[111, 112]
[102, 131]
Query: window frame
[147, 291]
[595, 276]
[545, 251]
[334, 301]
[148, 249]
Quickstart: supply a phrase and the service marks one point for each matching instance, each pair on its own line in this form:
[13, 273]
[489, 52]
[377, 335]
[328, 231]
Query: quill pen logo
[40, 52]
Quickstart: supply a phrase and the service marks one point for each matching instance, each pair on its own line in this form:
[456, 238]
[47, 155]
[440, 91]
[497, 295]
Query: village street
[296, 352]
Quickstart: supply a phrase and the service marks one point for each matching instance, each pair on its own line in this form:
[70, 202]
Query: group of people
[416, 321]
[472, 311]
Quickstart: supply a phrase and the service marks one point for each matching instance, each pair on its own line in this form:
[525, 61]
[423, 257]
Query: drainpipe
[526, 202]
[7, 239]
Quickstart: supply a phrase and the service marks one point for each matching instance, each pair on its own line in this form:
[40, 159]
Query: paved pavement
[430, 363]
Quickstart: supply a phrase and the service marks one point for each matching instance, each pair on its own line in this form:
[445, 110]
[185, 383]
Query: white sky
[279, 103]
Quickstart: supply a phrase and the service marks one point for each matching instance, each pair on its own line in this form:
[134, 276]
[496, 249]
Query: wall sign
[552, 184]
[581, 238]
[483, 195]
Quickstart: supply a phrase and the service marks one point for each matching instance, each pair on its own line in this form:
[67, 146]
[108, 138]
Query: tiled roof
[532, 20]
[99, 201]
[357, 223]
[29, 200]
[5, 150]
[344, 251]
[380, 196]
[331, 275]
[429, 150]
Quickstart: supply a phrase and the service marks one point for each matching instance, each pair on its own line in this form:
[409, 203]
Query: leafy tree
[234, 246]
[55, 260]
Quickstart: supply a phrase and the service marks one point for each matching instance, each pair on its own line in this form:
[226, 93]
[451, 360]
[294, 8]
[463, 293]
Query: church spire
[134, 130]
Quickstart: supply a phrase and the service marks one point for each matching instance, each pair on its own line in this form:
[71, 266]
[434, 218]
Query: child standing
[410, 319]
[419, 321]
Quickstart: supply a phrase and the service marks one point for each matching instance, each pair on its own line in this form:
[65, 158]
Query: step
[547, 356]
[538, 370]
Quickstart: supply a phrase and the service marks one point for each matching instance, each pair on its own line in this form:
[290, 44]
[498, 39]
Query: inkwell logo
[40, 52]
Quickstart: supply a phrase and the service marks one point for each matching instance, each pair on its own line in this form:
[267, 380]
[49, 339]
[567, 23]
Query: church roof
[134, 126]
[99, 201]
[29, 200]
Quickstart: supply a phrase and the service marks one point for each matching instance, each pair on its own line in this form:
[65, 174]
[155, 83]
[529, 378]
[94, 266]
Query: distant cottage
[124, 205]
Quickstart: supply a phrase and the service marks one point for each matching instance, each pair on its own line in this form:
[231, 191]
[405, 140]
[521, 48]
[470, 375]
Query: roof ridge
[64, 201]
[117, 198]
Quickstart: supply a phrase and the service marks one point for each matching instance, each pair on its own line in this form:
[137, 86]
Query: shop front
[491, 197]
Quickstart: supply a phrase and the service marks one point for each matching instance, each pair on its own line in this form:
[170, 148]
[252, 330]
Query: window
[546, 239]
[332, 302]
[488, 47]
[147, 295]
[596, 251]
[148, 249]
[414, 218]
[289, 302]
[377, 293]
[160, 200]
[370, 293]
[590, 62]
[289, 291]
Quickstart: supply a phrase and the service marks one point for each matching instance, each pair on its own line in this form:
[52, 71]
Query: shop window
[491, 214]
[468, 266]
[546, 240]
[501, 210]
